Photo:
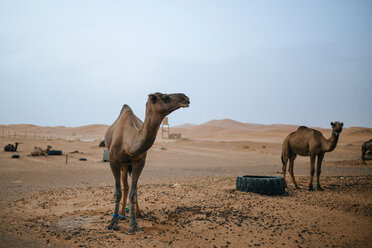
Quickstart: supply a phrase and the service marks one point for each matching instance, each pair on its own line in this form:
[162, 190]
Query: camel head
[49, 147]
[165, 104]
[337, 127]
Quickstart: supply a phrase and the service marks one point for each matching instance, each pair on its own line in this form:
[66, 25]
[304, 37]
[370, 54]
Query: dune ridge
[224, 129]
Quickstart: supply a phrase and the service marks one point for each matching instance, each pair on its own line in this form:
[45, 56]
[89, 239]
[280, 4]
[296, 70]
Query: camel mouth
[184, 105]
[185, 102]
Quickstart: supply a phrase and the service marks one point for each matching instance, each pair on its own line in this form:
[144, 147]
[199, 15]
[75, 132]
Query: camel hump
[125, 108]
[302, 127]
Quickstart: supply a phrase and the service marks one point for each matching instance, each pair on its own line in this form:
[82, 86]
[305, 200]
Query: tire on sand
[54, 152]
[264, 185]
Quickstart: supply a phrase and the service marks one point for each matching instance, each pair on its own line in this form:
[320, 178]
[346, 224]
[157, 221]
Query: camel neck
[147, 134]
[332, 142]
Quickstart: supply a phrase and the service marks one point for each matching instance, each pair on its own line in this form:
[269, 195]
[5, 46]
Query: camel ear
[332, 124]
[153, 98]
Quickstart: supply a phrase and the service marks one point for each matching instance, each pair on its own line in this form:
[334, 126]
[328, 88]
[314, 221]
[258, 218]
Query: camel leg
[319, 170]
[312, 171]
[291, 163]
[137, 169]
[124, 178]
[284, 168]
[114, 224]
[138, 211]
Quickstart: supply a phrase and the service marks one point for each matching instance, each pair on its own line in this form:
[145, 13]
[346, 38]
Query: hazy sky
[75, 63]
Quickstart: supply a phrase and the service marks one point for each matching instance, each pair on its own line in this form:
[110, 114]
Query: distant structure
[175, 136]
[165, 131]
[165, 128]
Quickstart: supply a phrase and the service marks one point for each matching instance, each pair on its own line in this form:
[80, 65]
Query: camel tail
[285, 152]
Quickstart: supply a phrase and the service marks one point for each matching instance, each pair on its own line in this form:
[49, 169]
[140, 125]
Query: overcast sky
[76, 63]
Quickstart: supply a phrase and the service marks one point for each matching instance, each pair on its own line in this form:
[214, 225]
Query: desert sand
[186, 191]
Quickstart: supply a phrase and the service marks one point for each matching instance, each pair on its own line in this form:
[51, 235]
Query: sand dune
[28, 130]
[235, 125]
[211, 129]
[227, 129]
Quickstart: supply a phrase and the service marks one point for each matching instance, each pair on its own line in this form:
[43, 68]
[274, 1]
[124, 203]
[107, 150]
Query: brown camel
[128, 140]
[40, 152]
[11, 148]
[367, 146]
[309, 142]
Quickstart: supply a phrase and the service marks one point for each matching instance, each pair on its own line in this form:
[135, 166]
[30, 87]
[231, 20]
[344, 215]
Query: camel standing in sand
[128, 140]
[309, 142]
[367, 146]
[40, 152]
[11, 148]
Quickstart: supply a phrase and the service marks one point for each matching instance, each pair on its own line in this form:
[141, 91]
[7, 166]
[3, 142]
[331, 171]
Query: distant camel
[40, 152]
[102, 143]
[128, 140]
[367, 146]
[309, 142]
[11, 148]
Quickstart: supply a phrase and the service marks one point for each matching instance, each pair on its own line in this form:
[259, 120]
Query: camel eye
[166, 99]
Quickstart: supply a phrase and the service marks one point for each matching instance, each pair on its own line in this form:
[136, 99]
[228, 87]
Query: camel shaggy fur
[128, 140]
[11, 148]
[367, 146]
[40, 152]
[309, 142]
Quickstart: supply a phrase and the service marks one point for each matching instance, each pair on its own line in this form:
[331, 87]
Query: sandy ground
[186, 191]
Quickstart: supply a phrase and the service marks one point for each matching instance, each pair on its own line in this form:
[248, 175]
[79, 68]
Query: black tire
[264, 185]
[82, 159]
[15, 156]
[54, 152]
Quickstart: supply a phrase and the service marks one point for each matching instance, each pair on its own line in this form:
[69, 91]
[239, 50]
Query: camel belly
[303, 153]
[302, 150]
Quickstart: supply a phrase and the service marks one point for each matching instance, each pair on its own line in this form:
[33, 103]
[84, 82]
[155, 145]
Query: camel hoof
[311, 188]
[133, 229]
[113, 226]
[319, 188]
